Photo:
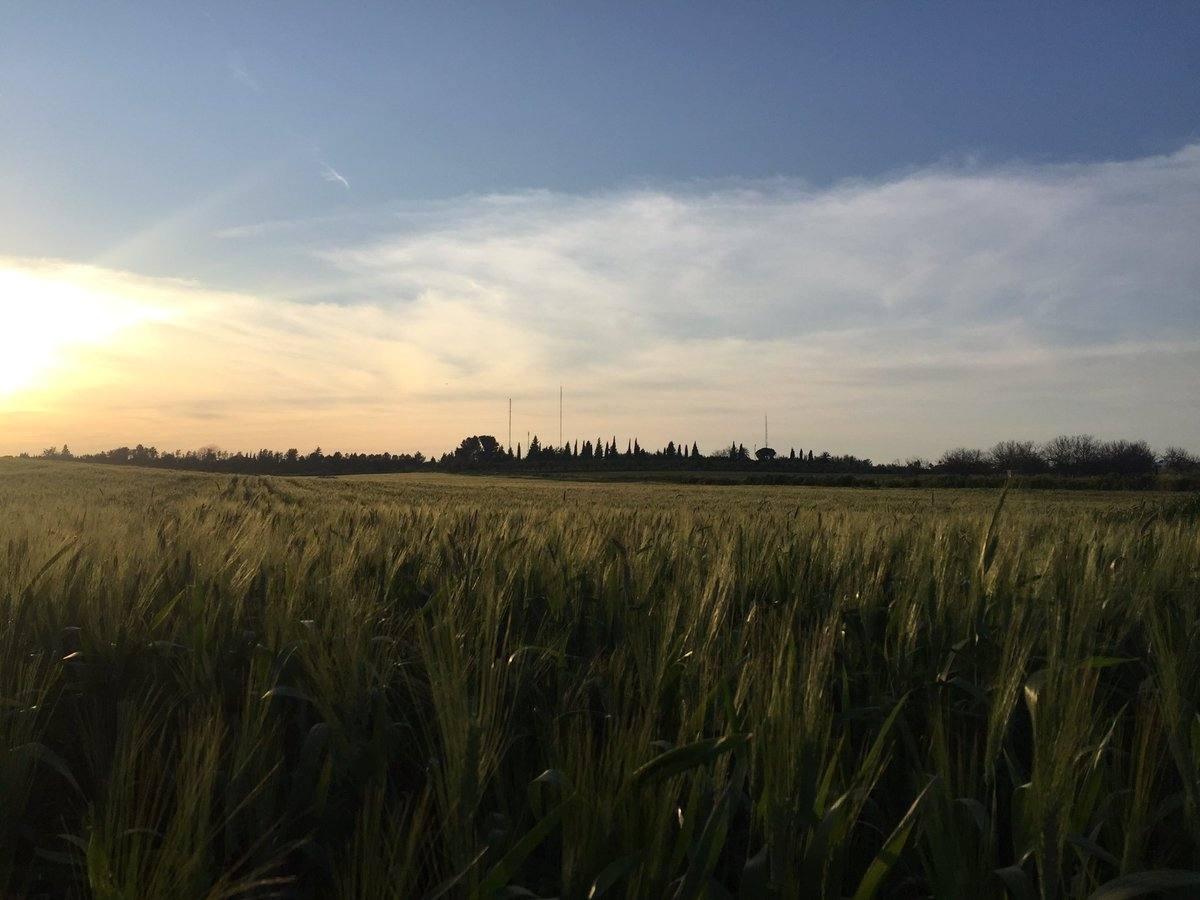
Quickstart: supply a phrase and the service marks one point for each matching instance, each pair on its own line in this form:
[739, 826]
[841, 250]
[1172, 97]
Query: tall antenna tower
[510, 424]
[560, 443]
[766, 439]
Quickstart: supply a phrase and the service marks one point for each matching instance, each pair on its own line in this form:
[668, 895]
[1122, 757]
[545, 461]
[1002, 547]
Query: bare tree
[963, 461]
[1177, 459]
[1022, 457]
[1072, 454]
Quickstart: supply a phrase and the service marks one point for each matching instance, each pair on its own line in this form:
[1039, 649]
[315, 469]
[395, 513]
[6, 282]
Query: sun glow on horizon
[46, 318]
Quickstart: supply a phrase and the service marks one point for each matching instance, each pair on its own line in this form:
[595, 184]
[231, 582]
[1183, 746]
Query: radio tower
[766, 439]
[560, 443]
[510, 424]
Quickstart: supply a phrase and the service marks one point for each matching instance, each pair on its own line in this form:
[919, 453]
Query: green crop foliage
[438, 686]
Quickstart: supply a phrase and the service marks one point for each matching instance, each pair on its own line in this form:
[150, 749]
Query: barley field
[419, 686]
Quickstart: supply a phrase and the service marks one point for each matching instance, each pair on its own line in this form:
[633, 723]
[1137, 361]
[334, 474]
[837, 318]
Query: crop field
[422, 686]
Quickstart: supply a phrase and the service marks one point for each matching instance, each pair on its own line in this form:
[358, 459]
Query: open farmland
[468, 687]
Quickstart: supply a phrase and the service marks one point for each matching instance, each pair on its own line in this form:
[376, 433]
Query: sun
[47, 318]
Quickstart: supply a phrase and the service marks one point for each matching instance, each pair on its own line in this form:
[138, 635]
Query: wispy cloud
[941, 307]
[241, 74]
[333, 176]
[946, 305]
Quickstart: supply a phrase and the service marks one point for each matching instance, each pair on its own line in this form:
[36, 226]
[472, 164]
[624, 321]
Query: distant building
[764, 454]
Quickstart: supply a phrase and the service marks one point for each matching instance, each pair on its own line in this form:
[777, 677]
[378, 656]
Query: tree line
[1066, 456]
[261, 462]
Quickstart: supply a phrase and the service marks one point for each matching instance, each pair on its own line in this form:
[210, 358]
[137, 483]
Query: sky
[893, 228]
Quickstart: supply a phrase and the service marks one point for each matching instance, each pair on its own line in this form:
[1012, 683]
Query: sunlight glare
[44, 318]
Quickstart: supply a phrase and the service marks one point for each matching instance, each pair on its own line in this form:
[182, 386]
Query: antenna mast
[560, 443]
[510, 424]
[766, 440]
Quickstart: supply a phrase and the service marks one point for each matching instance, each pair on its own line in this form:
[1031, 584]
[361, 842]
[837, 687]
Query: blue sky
[613, 179]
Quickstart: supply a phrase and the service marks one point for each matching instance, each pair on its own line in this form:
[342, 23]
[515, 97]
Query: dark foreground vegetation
[445, 687]
[1079, 461]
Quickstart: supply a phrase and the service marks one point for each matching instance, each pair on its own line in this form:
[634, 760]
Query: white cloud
[935, 308]
[333, 176]
[242, 75]
[941, 306]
